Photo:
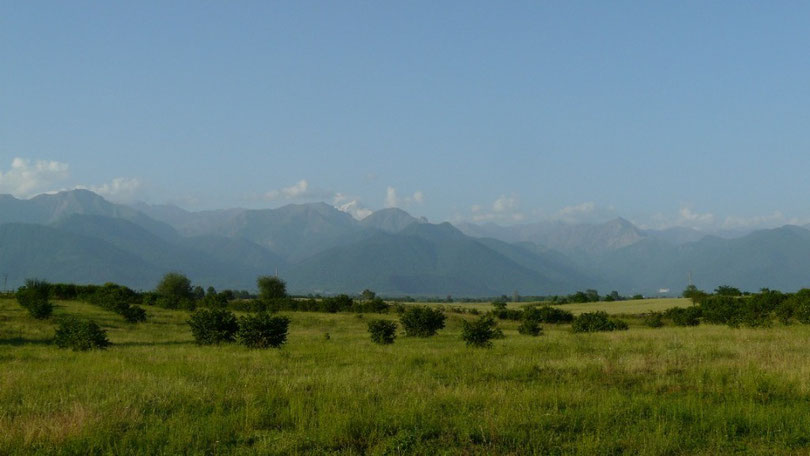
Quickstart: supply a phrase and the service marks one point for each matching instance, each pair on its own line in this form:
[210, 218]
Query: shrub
[530, 327]
[480, 332]
[800, 302]
[721, 309]
[213, 326]
[34, 298]
[422, 321]
[684, 316]
[653, 319]
[263, 330]
[597, 321]
[80, 335]
[548, 314]
[134, 314]
[382, 331]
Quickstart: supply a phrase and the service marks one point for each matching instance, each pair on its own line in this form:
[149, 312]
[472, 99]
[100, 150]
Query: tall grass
[703, 390]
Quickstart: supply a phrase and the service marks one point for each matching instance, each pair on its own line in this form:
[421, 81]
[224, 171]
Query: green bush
[548, 314]
[653, 319]
[530, 327]
[422, 321]
[480, 332]
[80, 335]
[684, 316]
[597, 321]
[213, 326]
[382, 331]
[721, 310]
[263, 330]
[34, 297]
[134, 314]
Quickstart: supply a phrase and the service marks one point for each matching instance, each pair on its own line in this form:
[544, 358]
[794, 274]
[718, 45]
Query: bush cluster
[34, 297]
[262, 330]
[548, 314]
[382, 331]
[422, 321]
[215, 326]
[118, 299]
[480, 332]
[653, 319]
[80, 335]
[597, 321]
[530, 327]
[684, 316]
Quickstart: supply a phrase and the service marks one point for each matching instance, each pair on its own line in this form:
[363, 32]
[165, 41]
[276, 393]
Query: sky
[665, 113]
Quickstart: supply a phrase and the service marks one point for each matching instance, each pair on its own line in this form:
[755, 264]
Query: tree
[480, 332]
[34, 297]
[382, 331]
[692, 292]
[263, 330]
[726, 290]
[368, 295]
[422, 321]
[175, 289]
[271, 288]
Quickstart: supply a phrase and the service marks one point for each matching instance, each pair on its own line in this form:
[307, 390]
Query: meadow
[707, 390]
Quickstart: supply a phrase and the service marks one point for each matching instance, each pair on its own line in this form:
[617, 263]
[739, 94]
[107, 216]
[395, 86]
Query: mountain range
[78, 236]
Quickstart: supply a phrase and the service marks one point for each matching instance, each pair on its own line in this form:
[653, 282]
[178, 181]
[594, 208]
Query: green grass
[629, 307]
[704, 390]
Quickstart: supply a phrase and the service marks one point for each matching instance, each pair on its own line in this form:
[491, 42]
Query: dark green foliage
[530, 327]
[422, 321]
[637, 296]
[271, 288]
[508, 314]
[213, 326]
[174, 292]
[800, 302]
[382, 331]
[480, 332]
[653, 319]
[80, 335]
[684, 316]
[692, 292]
[34, 297]
[263, 330]
[499, 305]
[597, 321]
[725, 290]
[548, 314]
[721, 309]
[116, 298]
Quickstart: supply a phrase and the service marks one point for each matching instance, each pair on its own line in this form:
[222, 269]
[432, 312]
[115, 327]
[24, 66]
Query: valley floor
[703, 390]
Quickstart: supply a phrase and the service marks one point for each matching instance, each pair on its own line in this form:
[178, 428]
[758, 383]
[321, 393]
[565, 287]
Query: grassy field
[705, 390]
[631, 307]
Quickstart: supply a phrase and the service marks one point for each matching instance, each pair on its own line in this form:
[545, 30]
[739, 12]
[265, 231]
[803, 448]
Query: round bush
[80, 335]
[530, 327]
[382, 331]
[597, 321]
[480, 332]
[213, 326]
[653, 319]
[263, 330]
[422, 321]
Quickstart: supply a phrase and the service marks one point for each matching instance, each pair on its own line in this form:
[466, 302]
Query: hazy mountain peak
[392, 220]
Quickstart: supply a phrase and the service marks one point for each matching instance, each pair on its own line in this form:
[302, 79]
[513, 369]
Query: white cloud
[392, 200]
[119, 189]
[355, 209]
[27, 178]
[503, 209]
[297, 190]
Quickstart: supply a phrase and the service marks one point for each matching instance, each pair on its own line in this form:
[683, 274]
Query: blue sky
[666, 113]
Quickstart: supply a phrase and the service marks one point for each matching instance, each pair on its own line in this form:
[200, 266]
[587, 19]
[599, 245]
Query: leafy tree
[422, 321]
[34, 297]
[213, 326]
[263, 330]
[382, 331]
[80, 335]
[692, 292]
[174, 291]
[367, 295]
[271, 288]
[480, 332]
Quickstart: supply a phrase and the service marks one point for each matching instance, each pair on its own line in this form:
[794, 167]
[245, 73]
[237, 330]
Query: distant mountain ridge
[79, 236]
